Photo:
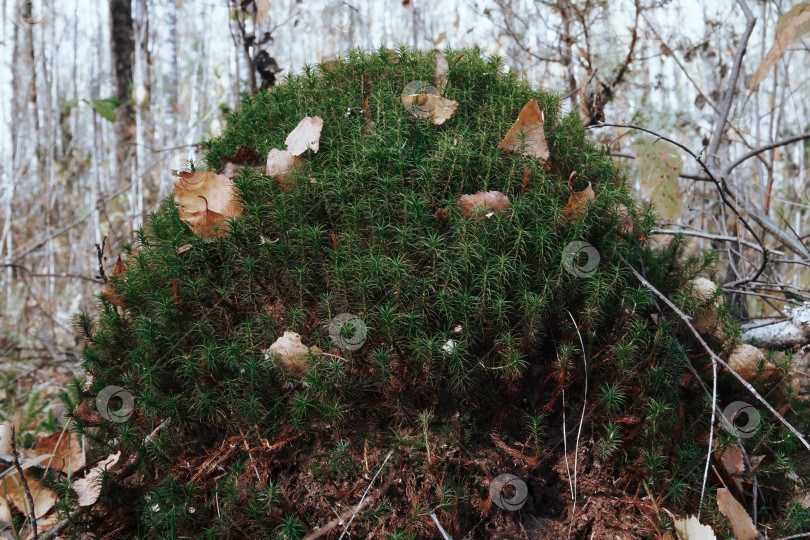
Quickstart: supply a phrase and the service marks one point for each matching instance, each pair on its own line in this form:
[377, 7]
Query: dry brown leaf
[741, 522]
[89, 488]
[745, 360]
[280, 166]
[292, 354]
[432, 106]
[577, 205]
[206, 199]
[527, 134]
[68, 456]
[13, 488]
[5, 439]
[691, 529]
[482, 202]
[306, 135]
[442, 72]
[797, 27]
[109, 290]
[527, 176]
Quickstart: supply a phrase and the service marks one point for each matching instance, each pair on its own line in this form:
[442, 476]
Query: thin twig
[23, 480]
[360, 504]
[714, 356]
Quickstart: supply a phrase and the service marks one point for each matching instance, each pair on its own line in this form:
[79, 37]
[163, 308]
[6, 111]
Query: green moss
[371, 228]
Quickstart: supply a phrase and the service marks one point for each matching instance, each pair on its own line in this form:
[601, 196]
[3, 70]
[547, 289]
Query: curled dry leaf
[66, 449]
[306, 135]
[482, 202]
[527, 134]
[292, 354]
[89, 488]
[577, 205]
[432, 106]
[442, 77]
[745, 360]
[281, 164]
[109, 290]
[206, 199]
[691, 529]
[741, 522]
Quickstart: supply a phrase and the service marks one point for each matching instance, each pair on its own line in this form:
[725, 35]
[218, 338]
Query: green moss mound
[475, 338]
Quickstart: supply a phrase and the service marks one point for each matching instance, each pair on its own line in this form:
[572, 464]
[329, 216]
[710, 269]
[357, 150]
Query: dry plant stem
[360, 504]
[719, 129]
[23, 480]
[716, 358]
[581, 421]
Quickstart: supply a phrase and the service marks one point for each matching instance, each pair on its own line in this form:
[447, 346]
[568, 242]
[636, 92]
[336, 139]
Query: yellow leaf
[660, 166]
[797, 28]
[527, 134]
[741, 522]
[432, 106]
[206, 199]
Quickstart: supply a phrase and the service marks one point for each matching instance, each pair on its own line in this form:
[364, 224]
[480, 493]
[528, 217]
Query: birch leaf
[442, 72]
[660, 166]
[206, 199]
[307, 134]
[89, 488]
[106, 108]
[796, 27]
[577, 205]
[741, 522]
[432, 106]
[527, 134]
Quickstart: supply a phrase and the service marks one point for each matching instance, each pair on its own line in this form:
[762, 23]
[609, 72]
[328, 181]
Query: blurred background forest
[100, 100]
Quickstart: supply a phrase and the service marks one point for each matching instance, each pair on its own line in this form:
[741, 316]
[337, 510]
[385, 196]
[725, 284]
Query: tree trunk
[123, 49]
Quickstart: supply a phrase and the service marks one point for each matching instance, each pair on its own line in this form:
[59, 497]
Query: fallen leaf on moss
[442, 77]
[691, 529]
[527, 134]
[306, 135]
[745, 360]
[482, 202]
[527, 176]
[5, 439]
[741, 522]
[280, 166]
[89, 488]
[577, 205]
[66, 449]
[206, 199]
[292, 354]
[109, 290]
[432, 106]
